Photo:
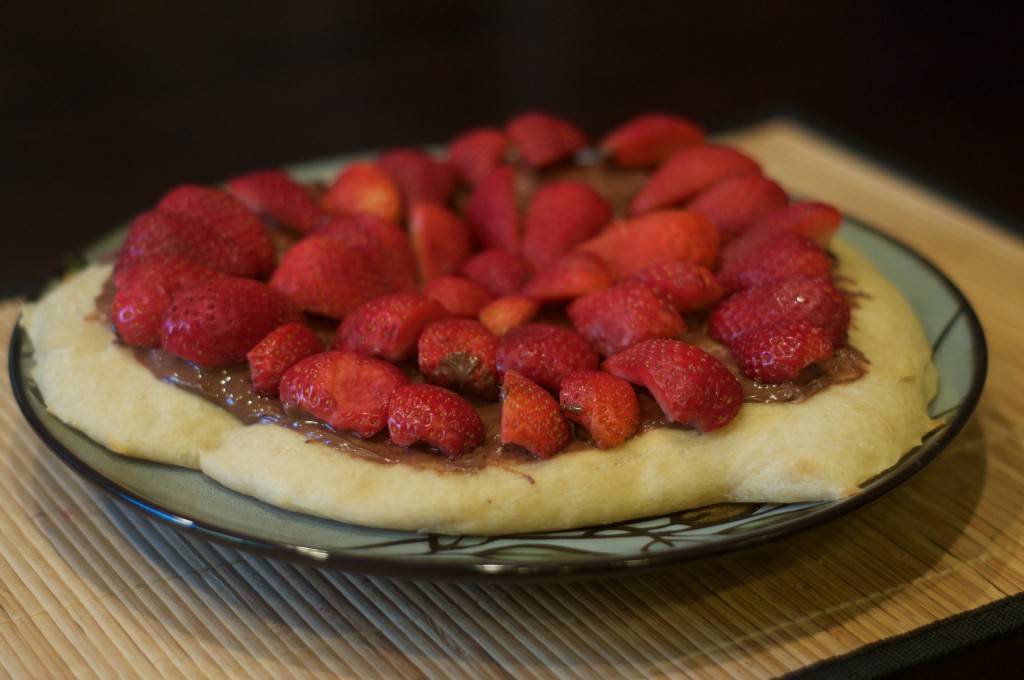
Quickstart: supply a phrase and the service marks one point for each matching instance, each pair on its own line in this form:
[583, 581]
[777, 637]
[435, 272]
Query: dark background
[106, 105]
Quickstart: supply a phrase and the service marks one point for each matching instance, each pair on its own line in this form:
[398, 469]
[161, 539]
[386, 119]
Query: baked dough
[821, 448]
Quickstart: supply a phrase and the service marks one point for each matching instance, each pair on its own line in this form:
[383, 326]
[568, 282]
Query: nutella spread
[231, 389]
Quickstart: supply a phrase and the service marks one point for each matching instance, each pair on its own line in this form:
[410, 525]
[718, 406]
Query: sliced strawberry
[544, 353]
[505, 313]
[733, 203]
[492, 211]
[157, 232]
[692, 387]
[625, 314]
[459, 296]
[327, 278]
[498, 271]
[474, 153]
[145, 288]
[214, 323]
[418, 175]
[278, 351]
[388, 326]
[435, 416]
[543, 139]
[386, 242]
[817, 221]
[363, 188]
[441, 241]
[459, 354]
[223, 214]
[782, 256]
[688, 172]
[348, 391]
[531, 418]
[560, 216]
[688, 286]
[605, 405]
[278, 198]
[575, 274]
[812, 299]
[776, 353]
[650, 139]
[630, 245]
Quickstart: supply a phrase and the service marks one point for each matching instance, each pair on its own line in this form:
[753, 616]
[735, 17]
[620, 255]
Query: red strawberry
[459, 296]
[812, 299]
[459, 354]
[275, 195]
[734, 203]
[327, 278]
[692, 387]
[474, 153]
[440, 240]
[575, 274]
[216, 322]
[776, 353]
[544, 139]
[782, 256]
[498, 271]
[649, 139]
[663, 236]
[347, 390]
[363, 188]
[387, 244]
[561, 215]
[492, 212]
[688, 172]
[623, 315]
[688, 286]
[544, 353]
[605, 405]
[144, 289]
[531, 418]
[164, 233]
[388, 326]
[817, 221]
[434, 416]
[221, 213]
[505, 313]
[418, 175]
[281, 349]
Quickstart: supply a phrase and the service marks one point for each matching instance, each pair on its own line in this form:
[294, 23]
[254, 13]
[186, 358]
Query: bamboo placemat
[91, 588]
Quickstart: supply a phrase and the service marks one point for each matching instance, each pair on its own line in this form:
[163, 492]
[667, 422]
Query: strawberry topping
[605, 406]
[281, 349]
[544, 353]
[691, 386]
[460, 354]
[496, 270]
[388, 326]
[531, 418]
[216, 322]
[623, 315]
[346, 390]
[434, 416]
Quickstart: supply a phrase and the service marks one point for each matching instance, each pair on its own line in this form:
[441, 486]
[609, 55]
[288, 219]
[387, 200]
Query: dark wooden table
[104, 106]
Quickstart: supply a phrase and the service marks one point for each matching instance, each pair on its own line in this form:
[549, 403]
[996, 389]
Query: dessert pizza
[521, 331]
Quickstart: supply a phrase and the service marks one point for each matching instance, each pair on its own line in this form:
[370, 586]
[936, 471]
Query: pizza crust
[818, 449]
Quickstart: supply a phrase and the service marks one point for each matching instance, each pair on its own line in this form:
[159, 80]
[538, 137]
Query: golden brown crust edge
[821, 448]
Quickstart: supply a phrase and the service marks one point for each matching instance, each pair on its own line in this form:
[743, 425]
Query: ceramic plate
[192, 502]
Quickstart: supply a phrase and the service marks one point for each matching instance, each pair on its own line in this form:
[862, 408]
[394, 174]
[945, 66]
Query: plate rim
[425, 566]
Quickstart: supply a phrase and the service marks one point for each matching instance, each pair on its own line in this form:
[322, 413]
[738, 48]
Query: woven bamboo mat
[91, 588]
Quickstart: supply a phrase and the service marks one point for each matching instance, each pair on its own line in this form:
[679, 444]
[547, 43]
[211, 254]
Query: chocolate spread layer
[231, 388]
